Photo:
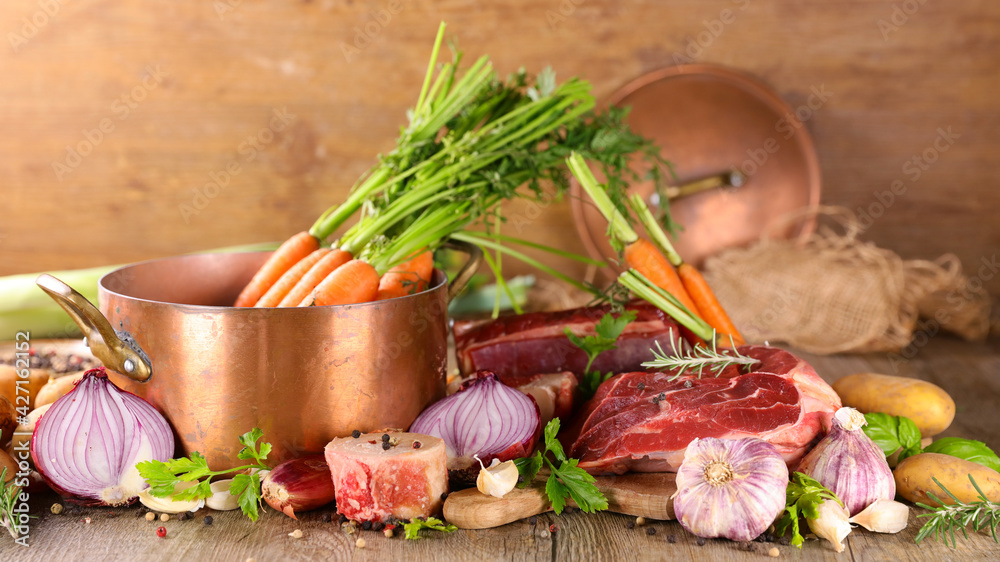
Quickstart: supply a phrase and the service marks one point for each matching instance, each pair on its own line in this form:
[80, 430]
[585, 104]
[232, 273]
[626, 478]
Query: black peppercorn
[671, 539]
[533, 520]
[650, 531]
[630, 524]
[342, 519]
[208, 519]
[785, 541]
[355, 434]
[385, 437]
[327, 517]
[183, 516]
[656, 400]
[367, 526]
[386, 445]
[641, 386]
[444, 496]
[701, 541]
[378, 526]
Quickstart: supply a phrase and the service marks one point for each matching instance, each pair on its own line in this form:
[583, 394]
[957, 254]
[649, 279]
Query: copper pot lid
[710, 122]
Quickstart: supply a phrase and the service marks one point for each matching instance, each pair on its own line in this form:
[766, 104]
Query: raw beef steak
[642, 422]
[517, 347]
[372, 482]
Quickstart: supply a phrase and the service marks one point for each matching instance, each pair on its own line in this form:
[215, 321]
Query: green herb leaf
[247, 489]
[891, 433]
[413, 527]
[968, 449]
[605, 336]
[528, 468]
[552, 443]
[161, 480]
[581, 488]
[943, 520]
[557, 493]
[249, 450]
[802, 499]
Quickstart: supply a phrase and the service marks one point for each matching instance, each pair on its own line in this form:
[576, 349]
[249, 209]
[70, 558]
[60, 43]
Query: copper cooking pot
[302, 375]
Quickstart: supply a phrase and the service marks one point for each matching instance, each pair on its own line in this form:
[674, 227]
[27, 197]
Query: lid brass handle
[118, 351]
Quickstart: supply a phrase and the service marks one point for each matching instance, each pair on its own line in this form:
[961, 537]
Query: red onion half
[485, 418]
[88, 443]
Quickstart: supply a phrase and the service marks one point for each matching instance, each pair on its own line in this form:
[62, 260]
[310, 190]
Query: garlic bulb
[832, 524]
[730, 488]
[221, 499]
[883, 516]
[850, 464]
[498, 478]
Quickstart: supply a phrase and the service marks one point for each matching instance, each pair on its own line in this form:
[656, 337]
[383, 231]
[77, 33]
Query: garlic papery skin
[497, 479]
[730, 488]
[883, 516]
[850, 464]
[221, 499]
[832, 524]
[167, 505]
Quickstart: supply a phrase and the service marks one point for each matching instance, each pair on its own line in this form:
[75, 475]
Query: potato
[913, 479]
[57, 388]
[8, 420]
[925, 403]
[8, 384]
[8, 462]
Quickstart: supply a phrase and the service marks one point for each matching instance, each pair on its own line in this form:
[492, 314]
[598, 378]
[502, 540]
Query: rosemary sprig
[943, 520]
[698, 357]
[8, 501]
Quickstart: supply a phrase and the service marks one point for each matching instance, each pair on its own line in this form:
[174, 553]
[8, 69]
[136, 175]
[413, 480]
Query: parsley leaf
[164, 476]
[604, 338]
[413, 527]
[566, 479]
[802, 499]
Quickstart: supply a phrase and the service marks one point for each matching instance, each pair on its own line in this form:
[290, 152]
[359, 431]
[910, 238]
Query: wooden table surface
[969, 372]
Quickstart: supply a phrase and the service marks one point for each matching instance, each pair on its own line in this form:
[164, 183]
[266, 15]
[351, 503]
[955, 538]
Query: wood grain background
[186, 93]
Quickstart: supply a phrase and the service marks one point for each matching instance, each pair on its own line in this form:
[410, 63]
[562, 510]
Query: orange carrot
[316, 274]
[287, 255]
[354, 282]
[407, 278]
[286, 282]
[711, 311]
[643, 256]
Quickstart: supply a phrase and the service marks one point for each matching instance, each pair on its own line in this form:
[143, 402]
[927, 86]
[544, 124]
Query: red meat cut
[643, 421]
[518, 347]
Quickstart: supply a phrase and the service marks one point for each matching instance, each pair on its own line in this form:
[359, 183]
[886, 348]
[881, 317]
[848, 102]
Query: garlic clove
[221, 499]
[832, 524]
[497, 479]
[883, 516]
[167, 505]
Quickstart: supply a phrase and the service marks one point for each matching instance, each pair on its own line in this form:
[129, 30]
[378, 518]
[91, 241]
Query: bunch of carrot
[472, 141]
[656, 271]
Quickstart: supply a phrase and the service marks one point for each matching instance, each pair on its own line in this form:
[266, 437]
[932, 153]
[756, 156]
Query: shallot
[299, 485]
[730, 488]
[88, 443]
[850, 464]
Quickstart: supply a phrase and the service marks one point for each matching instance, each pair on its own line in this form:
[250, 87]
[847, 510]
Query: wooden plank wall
[283, 104]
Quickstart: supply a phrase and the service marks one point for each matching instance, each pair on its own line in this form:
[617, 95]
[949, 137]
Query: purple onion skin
[741, 508]
[852, 466]
[456, 419]
[59, 471]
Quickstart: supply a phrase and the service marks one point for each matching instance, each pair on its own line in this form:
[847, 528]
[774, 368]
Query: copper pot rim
[441, 280]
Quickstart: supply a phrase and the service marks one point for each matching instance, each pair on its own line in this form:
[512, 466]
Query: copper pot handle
[117, 350]
[468, 270]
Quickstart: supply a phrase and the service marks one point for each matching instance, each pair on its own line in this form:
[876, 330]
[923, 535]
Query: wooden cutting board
[647, 495]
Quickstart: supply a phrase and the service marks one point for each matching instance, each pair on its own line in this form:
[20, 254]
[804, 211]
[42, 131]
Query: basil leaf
[883, 429]
[909, 434]
[968, 449]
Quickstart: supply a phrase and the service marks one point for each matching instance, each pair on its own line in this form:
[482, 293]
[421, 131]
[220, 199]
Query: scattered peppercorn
[641, 386]
[656, 400]
[378, 526]
[164, 517]
[367, 526]
[444, 496]
[161, 532]
[688, 384]
[360, 543]
[663, 396]
[386, 446]
[650, 531]
[416, 444]
[184, 516]
[671, 539]
[342, 519]
[296, 534]
[208, 519]
[640, 521]
[327, 517]
[774, 552]
[785, 541]
[387, 532]
[630, 524]
[746, 545]
[553, 529]
[385, 437]
[544, 534]
[150, 516]
[701, 541]
[56, 508]
[355, 434]
[533, 520]
[768, 537]
[86, 520]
